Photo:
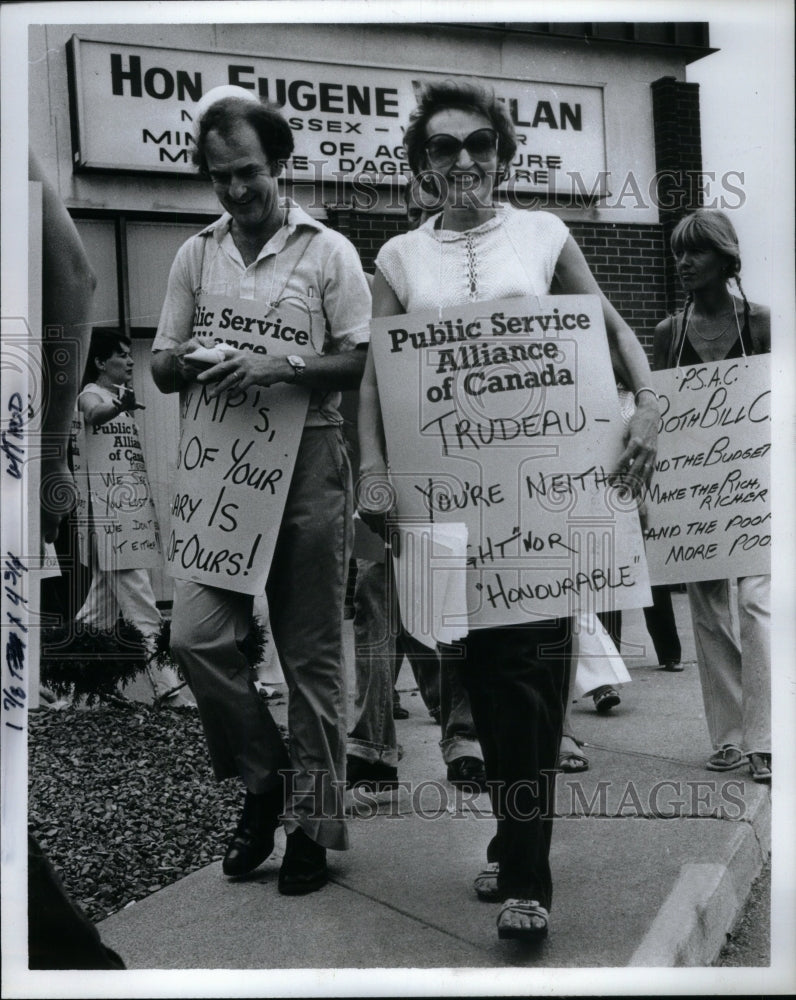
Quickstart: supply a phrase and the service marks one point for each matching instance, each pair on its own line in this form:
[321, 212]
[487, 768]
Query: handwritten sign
[108, 460]
[236, 453]
[709, 505]
[504, 416]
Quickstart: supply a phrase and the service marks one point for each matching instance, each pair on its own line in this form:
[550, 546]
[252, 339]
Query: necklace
[696, 326]
[687, 324]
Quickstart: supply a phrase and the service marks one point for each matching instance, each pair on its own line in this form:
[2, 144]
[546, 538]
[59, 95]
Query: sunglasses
[444, 148]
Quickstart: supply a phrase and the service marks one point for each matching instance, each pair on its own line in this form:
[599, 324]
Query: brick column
[678, 163]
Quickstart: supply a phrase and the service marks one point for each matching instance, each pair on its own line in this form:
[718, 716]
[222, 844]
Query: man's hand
[187, 369]
[243, 369]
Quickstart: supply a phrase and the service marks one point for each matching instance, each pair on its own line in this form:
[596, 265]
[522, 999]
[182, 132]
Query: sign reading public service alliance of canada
[135, 107]
[503, 417]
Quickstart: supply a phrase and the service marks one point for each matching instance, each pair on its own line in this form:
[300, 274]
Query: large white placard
[116, 502]
[236, 453]
[504, 416]
[709, 504]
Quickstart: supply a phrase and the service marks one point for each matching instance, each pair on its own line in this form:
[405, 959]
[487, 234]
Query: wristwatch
[297, 364]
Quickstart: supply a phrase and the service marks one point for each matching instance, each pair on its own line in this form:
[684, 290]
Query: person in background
[662, 629]
[265, 248]
[60, 935]
[381, 645]
[732, 634]
[127, 592]
[475, 250]
[68, 284]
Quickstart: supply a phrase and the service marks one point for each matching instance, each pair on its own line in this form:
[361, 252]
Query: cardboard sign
[709, 504]
[236, 453]
[116, 504]
[504, 416]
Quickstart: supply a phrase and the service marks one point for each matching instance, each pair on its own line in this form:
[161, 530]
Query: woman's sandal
[760, 766]
[485, 883]
[525, 907]
[570, 761]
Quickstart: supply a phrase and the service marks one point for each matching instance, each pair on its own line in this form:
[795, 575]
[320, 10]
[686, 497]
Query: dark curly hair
[462, 95]
[274, 133]
[105, 342]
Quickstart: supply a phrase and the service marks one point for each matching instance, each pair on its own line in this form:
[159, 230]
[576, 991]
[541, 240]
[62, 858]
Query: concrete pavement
[652, 858]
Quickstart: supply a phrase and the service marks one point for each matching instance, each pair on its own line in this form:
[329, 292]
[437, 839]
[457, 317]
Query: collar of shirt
[296, 218]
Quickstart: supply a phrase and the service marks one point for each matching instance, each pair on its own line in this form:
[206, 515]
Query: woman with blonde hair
[732, 635]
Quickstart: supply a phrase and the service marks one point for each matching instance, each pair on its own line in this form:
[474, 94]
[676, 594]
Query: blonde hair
[709, 229]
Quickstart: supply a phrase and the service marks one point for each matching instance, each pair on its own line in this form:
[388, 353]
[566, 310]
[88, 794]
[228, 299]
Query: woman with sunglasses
[732, 645]
[460, 142]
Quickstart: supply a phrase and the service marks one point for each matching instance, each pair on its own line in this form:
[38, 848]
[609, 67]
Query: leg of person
[571, 759]
[662, 628]
[305, 595]
[612, 622]
[372, 750]
[100, 609]
[461, 750]
[426, 670]
[719, 662]
[209, 626]
[136, 599]
[754, 616]
[606, 697]
[517, 678]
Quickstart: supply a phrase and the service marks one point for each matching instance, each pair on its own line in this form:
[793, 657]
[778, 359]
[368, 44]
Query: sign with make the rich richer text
[504, 415]
[236, 453]
[709, 504]
[120, 512]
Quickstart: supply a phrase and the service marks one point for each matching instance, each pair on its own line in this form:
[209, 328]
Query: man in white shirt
[267, 249]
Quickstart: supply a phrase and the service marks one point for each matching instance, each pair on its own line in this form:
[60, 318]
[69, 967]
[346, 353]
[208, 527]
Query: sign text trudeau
[504, 416]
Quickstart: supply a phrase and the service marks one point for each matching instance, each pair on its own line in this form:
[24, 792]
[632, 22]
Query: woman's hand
[243, 369]
[127, 400]
[637, 462]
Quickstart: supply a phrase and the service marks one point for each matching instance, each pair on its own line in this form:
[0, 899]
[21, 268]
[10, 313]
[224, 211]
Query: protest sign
[236, 452]
[709, 504]
[504, 416]
[115, 504]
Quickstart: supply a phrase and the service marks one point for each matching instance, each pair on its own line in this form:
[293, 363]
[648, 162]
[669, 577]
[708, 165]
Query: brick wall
[626, 260]
[678, 162]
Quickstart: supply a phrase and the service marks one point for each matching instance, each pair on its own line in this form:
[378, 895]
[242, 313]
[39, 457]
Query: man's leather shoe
[253, 841]
[467, 772]
[304, 866]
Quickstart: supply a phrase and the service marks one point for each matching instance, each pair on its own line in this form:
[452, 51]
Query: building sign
[133, 110]
[503, 417]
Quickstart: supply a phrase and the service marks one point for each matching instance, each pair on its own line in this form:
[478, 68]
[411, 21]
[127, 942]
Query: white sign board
[709, 504]
[504, 416]
[109, 469]
[135, 107]
[236, 455]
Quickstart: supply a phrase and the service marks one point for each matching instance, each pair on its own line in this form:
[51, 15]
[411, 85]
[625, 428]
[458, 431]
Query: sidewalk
[653, 857]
